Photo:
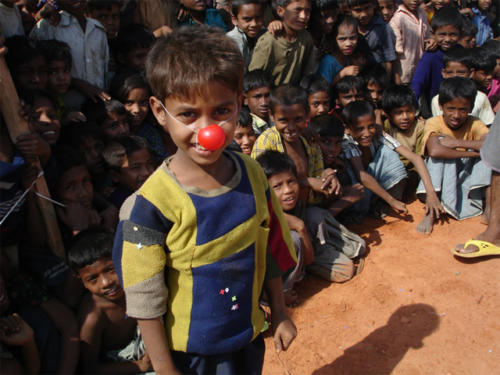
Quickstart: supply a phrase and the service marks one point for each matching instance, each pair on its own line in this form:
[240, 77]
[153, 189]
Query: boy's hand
[398, 206]
[275, 28]
[144, 363]
[78, 217]
[30, 174]
[430, 44]
[331, 184]
[447, 141]
[74, 116]
[15, 331]
[284, 331]
[91, 91]
[32, 146]
[351, 70]
[433, 206]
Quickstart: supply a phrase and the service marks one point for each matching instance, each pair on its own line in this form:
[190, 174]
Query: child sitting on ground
[451, 143]
[110, 342]
[130, 163]
[327, 260]
[248, 26]
[457, 62]
[256, 96]
[289, 110]
[244, 135]
[210, 233]
[399, 103]
[289, 57]
[317, 89]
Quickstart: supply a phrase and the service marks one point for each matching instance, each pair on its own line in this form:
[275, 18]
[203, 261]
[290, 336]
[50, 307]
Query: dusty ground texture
[415, 309]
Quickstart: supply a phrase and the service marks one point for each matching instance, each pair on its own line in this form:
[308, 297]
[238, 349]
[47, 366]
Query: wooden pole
[17, 125]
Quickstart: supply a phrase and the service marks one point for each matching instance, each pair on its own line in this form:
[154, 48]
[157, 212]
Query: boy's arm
[421, 76]
[262, 54]
[432, 203]
[436, 149]
[299, 226]
[371, 183]
[461, 143]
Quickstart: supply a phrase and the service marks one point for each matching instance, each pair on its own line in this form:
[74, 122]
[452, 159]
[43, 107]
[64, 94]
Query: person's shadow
[381, 351]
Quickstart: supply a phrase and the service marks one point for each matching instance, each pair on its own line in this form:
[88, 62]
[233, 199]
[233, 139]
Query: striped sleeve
[139, 255]
[268, 140]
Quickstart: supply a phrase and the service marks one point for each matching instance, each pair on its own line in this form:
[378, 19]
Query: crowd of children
[322, 112]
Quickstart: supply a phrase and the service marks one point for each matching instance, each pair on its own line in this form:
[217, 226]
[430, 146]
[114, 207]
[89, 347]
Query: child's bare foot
[426, 225]
[486, 216]
[485, 236]
[291, 297]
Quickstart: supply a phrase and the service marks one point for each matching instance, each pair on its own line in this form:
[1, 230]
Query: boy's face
[350, 96]
[136, 58]
[75, 186]
[75, 7]
[364, 130]
[363, 13]
[327, 18]
[249, 19]
[482, 78]
[455, 69]
[245, 138]
[446, 36]
[295, 16]
[347, 39]
[388, 7]
[59, 77]
[116, 125]
[136, 169]
[483, 5]
[286, 188]
[110, 19]
[438, 4]
[402, 117]
[467, 41]
[330, 148]
[32, 75]
[290, 121]
[319, 103]
[137, 106]
[100, 279]
[218, 104]
[455, 112]
[46, 123]
[92, 149]
[197, 5]
[258, 100]
[375, 92]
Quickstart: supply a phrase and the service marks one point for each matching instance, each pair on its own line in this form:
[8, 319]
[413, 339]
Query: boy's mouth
[116, 290]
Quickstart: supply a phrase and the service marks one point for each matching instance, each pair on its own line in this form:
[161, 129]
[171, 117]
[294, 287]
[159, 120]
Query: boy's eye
[223, 111]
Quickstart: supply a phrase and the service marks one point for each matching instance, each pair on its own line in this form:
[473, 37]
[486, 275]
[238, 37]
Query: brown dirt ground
[415, 308]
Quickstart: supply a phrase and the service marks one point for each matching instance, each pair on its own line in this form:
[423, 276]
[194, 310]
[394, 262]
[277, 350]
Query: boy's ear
[472, 72]
[158, 110]
[245, 100]
[280, 11]
[234, 20]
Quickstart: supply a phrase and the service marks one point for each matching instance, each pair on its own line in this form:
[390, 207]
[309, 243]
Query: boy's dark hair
[123, 85]
[274, 162]
[89, 246]
[355, 110]
[353, 3]
[458, 54]
[255, 79]
[21, 51]
[468, 28]
[447, 16]
[245, 119]
[98, 111]
[347, 83]
[55, 50]
[483, 60]
[102, 4]
[236, 4]
[327, 126]
[29, 97]
[118, 149]
[376, 73]
[398, 96]
[457, 87]
[323, 5]
[281, 3]
[75, 133]
[287, 95]
[66, 158]
[492, 47]
[132, 37]
[191, 57]
[313, 83]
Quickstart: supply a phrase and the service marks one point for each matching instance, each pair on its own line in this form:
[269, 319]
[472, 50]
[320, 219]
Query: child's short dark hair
[21, 51]
[483, 60]
[327, 126]
[102, 4]
[236, 4]
[75, 133]
[132, 37]
[459, 55]
[347, 83]
[89, 246]
[314, 83]
[98, 111]
[274, 162]
[116, 151]
[376, 73]
[55, 50]
[123, 85]
[245, 119]
[355, 110]
[468, 28]
[255, 79]
[288, 95]
[66, 158]
[29, 97]
[353, 3]
[398, 96]
[457, 87]
[447, 16]
[323, 5]
[492, 47]
[189, 58]
[281, 3]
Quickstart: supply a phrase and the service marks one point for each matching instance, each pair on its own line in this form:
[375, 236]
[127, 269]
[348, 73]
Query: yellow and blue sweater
[200, 258]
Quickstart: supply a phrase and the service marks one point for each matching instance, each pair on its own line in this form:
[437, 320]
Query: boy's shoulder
[91, 311]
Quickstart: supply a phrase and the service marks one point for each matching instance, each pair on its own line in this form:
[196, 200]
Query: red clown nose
[211, 137]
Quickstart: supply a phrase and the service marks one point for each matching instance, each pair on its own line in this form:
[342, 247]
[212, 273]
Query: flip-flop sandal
[485, 249]
[359, 264]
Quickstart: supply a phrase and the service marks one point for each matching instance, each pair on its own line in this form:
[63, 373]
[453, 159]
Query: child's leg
[297, 273]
